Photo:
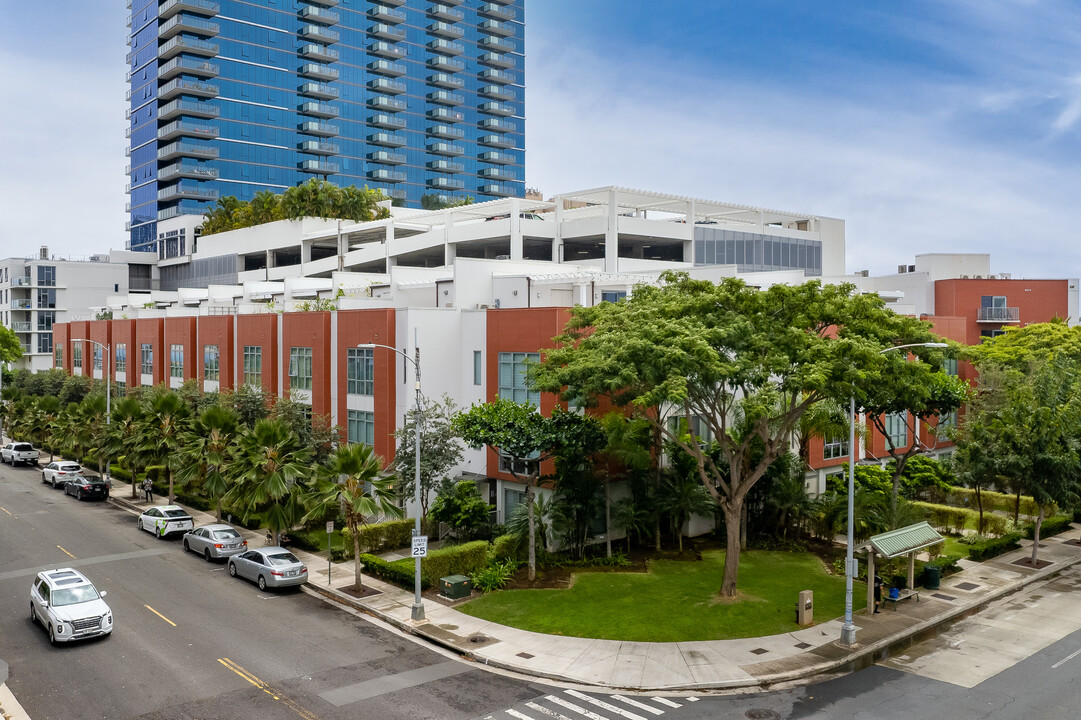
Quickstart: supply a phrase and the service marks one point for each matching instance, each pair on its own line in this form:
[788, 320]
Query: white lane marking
[605, 706]
[575, 708]
[635, 703]
[692, 699]
[516, 714]
[546, 711]
[665, 701]
[1066, 659]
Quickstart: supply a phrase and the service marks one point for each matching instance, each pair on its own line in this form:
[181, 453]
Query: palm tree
[354, 480]
[265, 207]
[789, 497]
[93, 418]
[124, 430]
[208, 448]
[632, 518]
[47, 410]
[269, 463]
[627, 451]
[681, 497]
[164, 424]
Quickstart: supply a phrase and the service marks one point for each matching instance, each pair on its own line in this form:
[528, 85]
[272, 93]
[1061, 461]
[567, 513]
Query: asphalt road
[191, 642]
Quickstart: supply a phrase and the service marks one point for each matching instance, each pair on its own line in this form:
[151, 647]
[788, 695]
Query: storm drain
[940, 596]
[761, 714]
[478, 639]
[525, 655]
[803, 646]
[760, 651]
[966, 586]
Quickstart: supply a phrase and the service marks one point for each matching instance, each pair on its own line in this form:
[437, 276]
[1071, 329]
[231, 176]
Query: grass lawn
[676, 600]
[320, 537]
[953, 546]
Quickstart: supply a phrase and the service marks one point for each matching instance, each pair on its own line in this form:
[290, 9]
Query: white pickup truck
[19, 452]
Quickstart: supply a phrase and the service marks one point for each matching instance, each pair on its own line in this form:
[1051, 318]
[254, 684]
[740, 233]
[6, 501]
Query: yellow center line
[6, 510]
[160, 615]
[66, 552]
[302, 712]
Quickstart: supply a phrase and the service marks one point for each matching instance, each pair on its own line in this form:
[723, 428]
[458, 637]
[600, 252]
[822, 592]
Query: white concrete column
[611, 236]
[557, 242]
[306, 251]
[515, 229]
[388, 240]
[581, 295]
[688, 244]
[450, 251]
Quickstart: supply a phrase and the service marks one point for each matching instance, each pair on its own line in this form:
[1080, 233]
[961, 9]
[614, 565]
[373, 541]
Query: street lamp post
[107, 349]
[418, 604]
[848, 630]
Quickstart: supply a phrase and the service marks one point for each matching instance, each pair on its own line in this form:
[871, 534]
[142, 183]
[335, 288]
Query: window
[46, 318]
[835, 448]
[300, 368]
[512, 384]
[949, 366]
[96, 352]
[253, 365]
[511, 500]
[478, 367]
[360, 371]
[897, 429]
[176, 361]
[613, 295]
[46, 275]
[211, 360]
[946, 422]
[360, 427]
[993, 309]
[77, 355]
[58, 355]
[121, 357]
[515, 466]
[146, 352]
[45, 343]
[47, 298]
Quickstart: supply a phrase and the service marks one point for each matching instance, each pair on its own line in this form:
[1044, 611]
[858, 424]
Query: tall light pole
[848, 630]
[107, 349]
[418, 604]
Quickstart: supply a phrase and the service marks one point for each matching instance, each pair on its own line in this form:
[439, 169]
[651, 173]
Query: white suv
[19, 452]
[68, 605]
[58, 473]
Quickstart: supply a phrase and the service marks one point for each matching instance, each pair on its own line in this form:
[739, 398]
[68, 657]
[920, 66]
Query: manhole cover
[478, 639]
[761, 714]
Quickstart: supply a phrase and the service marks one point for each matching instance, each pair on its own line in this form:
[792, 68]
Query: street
[190, 642]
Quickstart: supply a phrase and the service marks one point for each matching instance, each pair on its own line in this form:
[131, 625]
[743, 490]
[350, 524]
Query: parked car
[87, 486]
[273, 567]
[215, 541]
[58, 473]
[68, 605]
[165, 520]
[19, 452]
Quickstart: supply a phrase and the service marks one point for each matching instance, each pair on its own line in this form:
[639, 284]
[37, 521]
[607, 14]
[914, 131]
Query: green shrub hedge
[303, 538]
[464, 559]
[956, 519]
[1050, 526]
[507, 547]
[377, 537]
[393, 572]
[981, 549]
[1003, 502]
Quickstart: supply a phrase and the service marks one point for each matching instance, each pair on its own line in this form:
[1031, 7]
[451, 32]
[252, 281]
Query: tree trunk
[359, 584]
[1017, 506]
[134, 479]
[743, 528]
[979, 506]
[1036, 536]
[171, 486]
[532, 534]
[219, 508]
[784, 523]
[607, 519]
[731, 551]
[657, 486]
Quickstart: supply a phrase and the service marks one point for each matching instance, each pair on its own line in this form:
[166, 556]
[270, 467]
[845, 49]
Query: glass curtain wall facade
[230, 97]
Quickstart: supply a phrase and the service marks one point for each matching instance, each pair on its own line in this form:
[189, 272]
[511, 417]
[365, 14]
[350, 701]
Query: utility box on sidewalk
[805, 609]
[455, 587]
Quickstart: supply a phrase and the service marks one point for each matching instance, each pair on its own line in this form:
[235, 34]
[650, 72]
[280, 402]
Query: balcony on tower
[496, 108]
[190, 108]
[387, 32]
[385, 49]
[388, 68]
[446, 81]
[496, 11]
[444, 97]
[186, 149]
[498, 190]
[448, 132]
[324, 3]
[319, 129]
[443, 11]
[446, 166]
[498, 92]
[499, 158]
[188, 66]
[498, 125]
[183, 128]
[386, 14]
[187, 24]
[318, 15]
[187, 191]
[387, 139]
[195, 171]
[318, 90]
[317, 109]
[318, 147]
[181, 86]
[314, 51]
[446, 183]
[448, 149]
[497, 173]
[318, 71]
[385, 175]
[494, 75]
[380, 102]
[446, 47]
[391, 87]
[391, 122]
[495, 27]
[385, 157]
[446, 115]
[498, 141]
[319, 167]
[447, 64]
[445, 30]
[191, 46]
[170, 8]
[319, 34]
[496, 60]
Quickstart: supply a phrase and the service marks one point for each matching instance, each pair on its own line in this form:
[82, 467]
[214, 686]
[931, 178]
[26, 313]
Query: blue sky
[947, 126]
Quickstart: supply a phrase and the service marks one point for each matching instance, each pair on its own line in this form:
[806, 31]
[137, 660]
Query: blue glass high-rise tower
[230, 97]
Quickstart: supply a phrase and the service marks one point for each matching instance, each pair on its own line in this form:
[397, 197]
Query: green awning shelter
[895, 543]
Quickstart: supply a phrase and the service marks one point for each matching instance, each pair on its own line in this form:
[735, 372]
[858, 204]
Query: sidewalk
[715, 664]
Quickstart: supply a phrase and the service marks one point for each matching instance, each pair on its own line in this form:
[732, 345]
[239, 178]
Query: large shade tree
[744, 364]
[527, 439]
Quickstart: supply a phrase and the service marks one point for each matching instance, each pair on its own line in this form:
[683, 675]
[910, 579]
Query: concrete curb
[859, 658]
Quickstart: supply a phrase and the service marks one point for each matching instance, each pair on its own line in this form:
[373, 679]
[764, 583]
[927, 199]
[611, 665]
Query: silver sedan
[273, 567]
[215, 542]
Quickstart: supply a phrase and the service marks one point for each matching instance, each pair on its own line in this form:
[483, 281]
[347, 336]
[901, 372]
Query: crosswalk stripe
[520, 716]
[665, 701]
[692, 699]
[546, 711]
[605, 706]
[635, 703]
[575, 708]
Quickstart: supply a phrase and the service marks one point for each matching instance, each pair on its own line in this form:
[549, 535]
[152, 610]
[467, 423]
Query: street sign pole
[330, 529]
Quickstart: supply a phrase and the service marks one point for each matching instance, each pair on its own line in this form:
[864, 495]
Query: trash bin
[931, 577]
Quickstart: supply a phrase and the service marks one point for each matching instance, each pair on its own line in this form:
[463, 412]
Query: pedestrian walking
[148, 490]
[878, 593]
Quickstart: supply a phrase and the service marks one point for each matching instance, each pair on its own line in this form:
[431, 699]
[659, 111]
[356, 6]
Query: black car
[87, 486]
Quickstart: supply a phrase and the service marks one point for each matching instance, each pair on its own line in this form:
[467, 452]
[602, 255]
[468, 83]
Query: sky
[928, 126]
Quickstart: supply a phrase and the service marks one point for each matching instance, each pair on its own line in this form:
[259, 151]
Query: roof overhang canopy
[904, 540]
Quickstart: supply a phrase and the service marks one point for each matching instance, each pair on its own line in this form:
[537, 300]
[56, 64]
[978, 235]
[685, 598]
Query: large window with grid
[58, 355]
[360, 371]
[897, 428]
[96, 352]
[300, 368]
[360, 427]
[121, 357]
[253, 365]
[77, 355]
[176, 361]
[834, 448]
[211, 362]
[512, 384]
[146, 359]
